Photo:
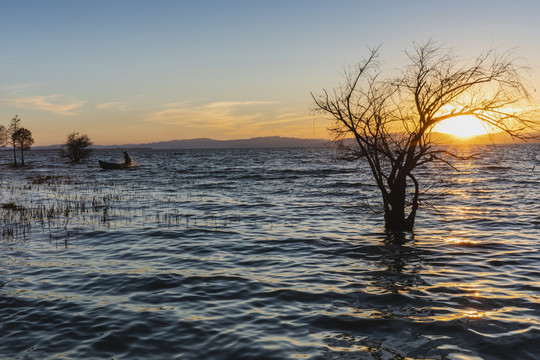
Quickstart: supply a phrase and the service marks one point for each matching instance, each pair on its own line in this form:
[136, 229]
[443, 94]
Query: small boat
[108, 165]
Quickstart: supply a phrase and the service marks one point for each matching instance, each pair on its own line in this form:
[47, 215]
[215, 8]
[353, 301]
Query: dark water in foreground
[266, 254]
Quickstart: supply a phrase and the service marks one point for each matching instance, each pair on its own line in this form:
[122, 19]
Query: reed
[59, 206]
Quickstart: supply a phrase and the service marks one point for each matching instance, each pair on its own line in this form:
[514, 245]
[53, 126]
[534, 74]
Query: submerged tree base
[398, 222]
[401, 225]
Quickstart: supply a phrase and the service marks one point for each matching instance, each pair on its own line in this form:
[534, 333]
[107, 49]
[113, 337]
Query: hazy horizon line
[496, 138]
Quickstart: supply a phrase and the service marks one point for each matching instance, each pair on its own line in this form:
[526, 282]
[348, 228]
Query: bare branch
[390, 120]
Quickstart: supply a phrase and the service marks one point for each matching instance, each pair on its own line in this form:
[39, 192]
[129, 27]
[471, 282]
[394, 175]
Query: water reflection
[460, 241]
[391, 274]
[398, 237]
[263, 255]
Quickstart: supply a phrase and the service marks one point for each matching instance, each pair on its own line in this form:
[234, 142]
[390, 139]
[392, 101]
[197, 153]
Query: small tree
[24, 140]
[13, 127]
[76, 147]
[391, 119]
[3, 136]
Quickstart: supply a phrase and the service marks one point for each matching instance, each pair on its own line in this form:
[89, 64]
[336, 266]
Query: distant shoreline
[205, 143]
[288, 142]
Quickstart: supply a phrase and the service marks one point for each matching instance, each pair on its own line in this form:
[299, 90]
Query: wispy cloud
[232, 104]
[23, 87]
[44, 103]
[237, 119]
[215, 115]
[113, 105]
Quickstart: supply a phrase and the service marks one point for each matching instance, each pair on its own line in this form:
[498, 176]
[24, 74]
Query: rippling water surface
[266, 254]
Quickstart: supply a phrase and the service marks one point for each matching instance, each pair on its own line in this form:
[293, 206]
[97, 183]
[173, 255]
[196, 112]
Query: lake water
[266, 254]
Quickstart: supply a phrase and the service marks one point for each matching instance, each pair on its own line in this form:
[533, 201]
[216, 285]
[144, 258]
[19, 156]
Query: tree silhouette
[13, 127]
[24, 140]
[3, 136]
[76, 147]
[391, 120]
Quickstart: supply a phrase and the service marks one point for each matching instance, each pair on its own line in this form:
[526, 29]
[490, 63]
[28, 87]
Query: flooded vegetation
[266, 254]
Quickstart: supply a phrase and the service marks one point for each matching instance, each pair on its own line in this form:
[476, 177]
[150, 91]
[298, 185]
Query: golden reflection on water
[198, 317]
[474, 314]
[466, 211]
[460, 241]
[468, 314]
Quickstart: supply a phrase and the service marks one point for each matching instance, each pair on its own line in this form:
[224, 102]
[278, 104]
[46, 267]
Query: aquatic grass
[10, 206]
[58, 206]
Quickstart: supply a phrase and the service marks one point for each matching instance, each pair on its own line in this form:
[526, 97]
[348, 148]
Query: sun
[463, 126]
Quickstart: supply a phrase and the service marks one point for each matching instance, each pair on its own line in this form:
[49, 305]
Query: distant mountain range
[204, 143]
[289, 142]
[258, 142]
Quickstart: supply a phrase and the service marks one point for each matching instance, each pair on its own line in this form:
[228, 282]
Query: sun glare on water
[462, 126]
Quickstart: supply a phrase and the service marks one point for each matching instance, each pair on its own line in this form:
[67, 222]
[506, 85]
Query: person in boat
[127, 159]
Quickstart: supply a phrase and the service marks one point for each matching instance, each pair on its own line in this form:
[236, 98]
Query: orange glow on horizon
[463, 126]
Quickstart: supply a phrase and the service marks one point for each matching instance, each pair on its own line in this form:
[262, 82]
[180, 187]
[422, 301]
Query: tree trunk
[15, 155]
[22, 156]
[394, 215]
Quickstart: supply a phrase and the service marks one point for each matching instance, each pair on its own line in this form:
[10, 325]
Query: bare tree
[3, 136]
[13, 127]
[24, 140]
[391, 119]
[76, 147]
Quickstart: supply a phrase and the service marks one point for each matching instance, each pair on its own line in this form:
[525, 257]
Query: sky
[129, 71]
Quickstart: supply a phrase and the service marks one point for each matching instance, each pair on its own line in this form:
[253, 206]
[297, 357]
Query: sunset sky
[141, 71]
